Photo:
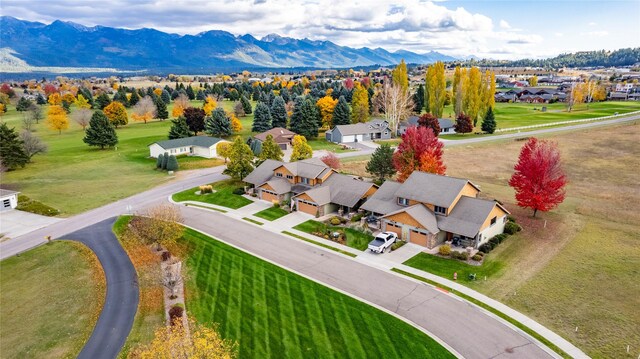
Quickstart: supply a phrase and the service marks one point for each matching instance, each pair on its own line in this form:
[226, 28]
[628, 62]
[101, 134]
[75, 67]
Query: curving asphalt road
[121, 302]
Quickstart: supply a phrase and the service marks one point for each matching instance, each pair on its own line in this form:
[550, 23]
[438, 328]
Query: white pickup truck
[382, 241]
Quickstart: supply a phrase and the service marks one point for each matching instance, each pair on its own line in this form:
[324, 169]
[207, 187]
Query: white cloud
[592, 23]
[504, 24]
[602, 33]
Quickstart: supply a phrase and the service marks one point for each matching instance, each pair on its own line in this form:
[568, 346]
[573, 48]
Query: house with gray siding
[376, 129]
[446, 125]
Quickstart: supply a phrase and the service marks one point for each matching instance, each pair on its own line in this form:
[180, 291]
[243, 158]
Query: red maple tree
[539, 179]
[331, 160]
[419, 150]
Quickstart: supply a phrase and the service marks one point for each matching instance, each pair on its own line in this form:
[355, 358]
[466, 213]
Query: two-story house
[428, 209]
[310, 185]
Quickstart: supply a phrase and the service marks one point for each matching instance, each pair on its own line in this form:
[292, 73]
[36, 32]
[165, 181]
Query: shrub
[276, 204]
[511, 218]
[30, 205]
[172, 163]
[335, 221]
[357, 217]
[460, 255]
[238, 191]
[159, 161]
[175, 312]
[512, 228]
[397, 245]
[445, 250]
[481, 254]
[165, 256]
[206, 189]
[477, 257]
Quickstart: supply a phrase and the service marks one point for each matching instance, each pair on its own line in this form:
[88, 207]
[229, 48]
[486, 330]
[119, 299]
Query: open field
[577, 265]
[50, 300]
[271, 312]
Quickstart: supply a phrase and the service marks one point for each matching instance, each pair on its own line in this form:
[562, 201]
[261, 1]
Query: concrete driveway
[14, 223]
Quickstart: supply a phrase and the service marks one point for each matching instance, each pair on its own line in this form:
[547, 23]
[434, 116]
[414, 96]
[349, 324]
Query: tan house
[281, 136]
[428, 209]
[310, 185]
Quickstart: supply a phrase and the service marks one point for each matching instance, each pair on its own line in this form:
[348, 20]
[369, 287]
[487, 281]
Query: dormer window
[439, 210]
[304, 180]
[289, 177]
[403, 201]
[278, 174]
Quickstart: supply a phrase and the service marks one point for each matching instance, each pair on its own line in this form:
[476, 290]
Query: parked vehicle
[382, 241]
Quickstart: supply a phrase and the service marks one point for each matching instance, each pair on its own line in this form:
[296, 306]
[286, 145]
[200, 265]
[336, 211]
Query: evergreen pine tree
[190, 93]
[270, 150]
[172, 163]
[12, 150]
[246, 105]
[310, 119]
[218, 124]
[295, 122]
[161, 108]
[166, 97]
[278, 113]
[255, 145]
[102, 101]
[100, 132]
[133, 100]
[255, 95]
[262, 118]
[381, 164]
[23, 104]
[165, 160]
[159, 161]
[40, 100]
[341, 115]
[489, 122]
[418, 99]
[179, 128]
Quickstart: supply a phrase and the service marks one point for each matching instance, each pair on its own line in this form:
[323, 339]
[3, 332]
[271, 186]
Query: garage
[347, 139]
[268, 196]
[418, 237]
[394, 228]
[307, 207]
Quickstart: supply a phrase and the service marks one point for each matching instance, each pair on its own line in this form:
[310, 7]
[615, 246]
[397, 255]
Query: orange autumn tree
[326, 105]
[209, 105]
[144, 110]
[57, 119]
[55, 99]
[236, 125]
[179, 105]
[116, 113]
[68, 98]
[419, 150]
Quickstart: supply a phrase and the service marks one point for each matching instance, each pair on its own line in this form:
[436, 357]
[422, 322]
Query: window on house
[305, 180]
[289, 177]
[439, 210]
[403, 201]
[493, 220]
[278, 174]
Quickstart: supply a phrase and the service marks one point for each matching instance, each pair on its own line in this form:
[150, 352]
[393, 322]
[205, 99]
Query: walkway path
[121, 303]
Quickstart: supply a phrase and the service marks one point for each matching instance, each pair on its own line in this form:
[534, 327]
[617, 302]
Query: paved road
[121, 302]
[158, 194]
[472, 140]
[464, 327]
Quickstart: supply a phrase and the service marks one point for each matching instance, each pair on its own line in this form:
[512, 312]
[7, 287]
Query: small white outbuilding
[8, 199]
[202, 146]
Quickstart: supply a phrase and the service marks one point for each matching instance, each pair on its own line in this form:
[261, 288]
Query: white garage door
[347, 139]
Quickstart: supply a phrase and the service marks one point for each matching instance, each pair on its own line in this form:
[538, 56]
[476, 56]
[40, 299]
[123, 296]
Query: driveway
[466, 328]
[121, 303]
[14, 223]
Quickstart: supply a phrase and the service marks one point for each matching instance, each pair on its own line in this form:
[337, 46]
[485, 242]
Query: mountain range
[68, 44]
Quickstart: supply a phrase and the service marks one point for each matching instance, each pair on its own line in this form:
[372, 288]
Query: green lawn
[50, 299]
[355, 239]
[272, 312]
[445, 267]
[271, 214]
[321, 143]
[223, 195]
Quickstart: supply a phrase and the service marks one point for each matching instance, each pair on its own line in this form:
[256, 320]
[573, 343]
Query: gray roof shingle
[467, 217]
[431, 188]
[422, 215]
[384, 200]
[200, 141]
[279, 185]
[346, 190]
[262, 173]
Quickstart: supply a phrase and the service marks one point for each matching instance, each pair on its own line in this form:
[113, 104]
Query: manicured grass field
[355, 239]
[445, 267]
[272, 312]
[223, 195]
[321, 144]
[271, 214]
[50, 299]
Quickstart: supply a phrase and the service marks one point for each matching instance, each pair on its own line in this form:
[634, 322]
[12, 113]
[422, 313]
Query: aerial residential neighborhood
[272, 179]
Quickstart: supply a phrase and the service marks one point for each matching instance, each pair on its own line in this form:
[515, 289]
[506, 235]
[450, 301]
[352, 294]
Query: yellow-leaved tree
[144, 110]
[57, 119]
[400, 77]
[236, 125]
[82, 102]
[301, 149]
[175, 342]
[209, 105]
[68, 98]
[179, 105]
[359, 104]
[223, 149]
[326, 105]
[116, 113]
[55, 99]
[3, 109]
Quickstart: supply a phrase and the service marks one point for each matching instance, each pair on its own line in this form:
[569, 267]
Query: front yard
[271, 214]
[272, 312]
[222, 196]
[445, 267]
[354, 238]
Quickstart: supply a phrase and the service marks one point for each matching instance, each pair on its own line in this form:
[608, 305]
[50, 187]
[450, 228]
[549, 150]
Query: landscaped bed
[51, 297]
[271, 214]
[223, 195]
[272, 312]
[351, 237]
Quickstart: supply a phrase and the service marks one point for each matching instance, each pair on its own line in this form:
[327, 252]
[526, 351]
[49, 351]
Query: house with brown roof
[310, 185]
[281, 136]
[428, 209]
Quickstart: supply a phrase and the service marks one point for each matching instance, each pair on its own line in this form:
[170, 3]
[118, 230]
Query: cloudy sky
[505, 29]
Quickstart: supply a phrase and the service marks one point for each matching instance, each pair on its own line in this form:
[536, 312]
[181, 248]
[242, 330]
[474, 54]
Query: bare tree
[82, 116]
[182, 100]
[35, 111]
[144, 110]
[172, 278]
[159, 225]
[397, 105]
[32, 144]
[238, 109]
[27, 121]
